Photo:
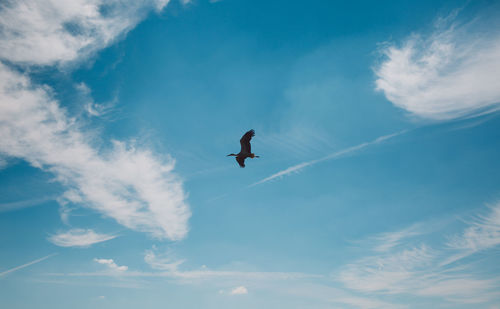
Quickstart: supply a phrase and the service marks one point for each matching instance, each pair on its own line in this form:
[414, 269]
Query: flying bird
[246, 149]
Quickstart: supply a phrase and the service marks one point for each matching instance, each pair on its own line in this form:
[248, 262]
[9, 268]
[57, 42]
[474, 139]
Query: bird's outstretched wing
[241, 161]
[245, 142]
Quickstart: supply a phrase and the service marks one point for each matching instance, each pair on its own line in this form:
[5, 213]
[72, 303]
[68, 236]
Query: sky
[377, 125]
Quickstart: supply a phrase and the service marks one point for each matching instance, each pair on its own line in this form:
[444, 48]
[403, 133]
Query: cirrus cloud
[58, 31]
[111, 265]
[131, 185]
[79, 238]
[450, 73]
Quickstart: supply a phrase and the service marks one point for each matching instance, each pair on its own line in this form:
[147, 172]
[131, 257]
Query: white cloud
[111, 265]
[284, 283]
[59, 31]
[25, 265]
[133, 186]
[240, 290]
[163, 262]
[448, 74]
[481, 234]
[79, 238]
[391, 273]
[298, 167]
[403, 263]
[24, 204]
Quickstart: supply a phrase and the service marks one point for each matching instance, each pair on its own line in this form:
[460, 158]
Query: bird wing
[245, 142]
[241, 161]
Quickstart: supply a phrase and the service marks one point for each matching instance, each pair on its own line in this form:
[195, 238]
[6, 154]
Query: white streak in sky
[12, 206]
[335, 155]
[26, 265]
[79, 238]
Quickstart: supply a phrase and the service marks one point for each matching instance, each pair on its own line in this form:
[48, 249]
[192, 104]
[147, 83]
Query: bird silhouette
[246, 149]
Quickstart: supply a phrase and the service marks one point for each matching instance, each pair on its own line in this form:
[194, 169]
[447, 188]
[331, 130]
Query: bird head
[232, 154]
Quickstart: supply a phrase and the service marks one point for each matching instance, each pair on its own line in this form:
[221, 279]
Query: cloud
[481, 234]
[387, 241]
[58, 31]
[111, 265]
[402, 263]
[133, 186]
[240, 290]
[24, 204]
[26, 265]
[164, 262]
[298, 167]
[92, 108]
[449, 73]
[129, 184]
[313, 287]
[79, 238]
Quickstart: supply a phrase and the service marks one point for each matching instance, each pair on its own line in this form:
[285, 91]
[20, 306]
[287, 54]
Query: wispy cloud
[58, 31]
[387, 241]
[162, 262]
[482, 233]
[26, 265]
[240, 290]
[298, 167]
[79, 238]
[447, 74]
[24, 204]
[111, 265]
[234, 282]
[132, 185]
[228, 282]
[403, 262]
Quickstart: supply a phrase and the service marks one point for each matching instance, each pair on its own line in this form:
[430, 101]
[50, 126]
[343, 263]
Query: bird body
[246, 149]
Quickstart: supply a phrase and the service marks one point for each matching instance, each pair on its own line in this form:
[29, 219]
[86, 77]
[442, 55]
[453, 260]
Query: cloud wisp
[79, 238]
[13, 206]
[228, 282]
[450, 73]
[132, 185]
[111, 265]
[57, 31]
[298, 167]
[26, 265]
[239, 290]
[403, 262]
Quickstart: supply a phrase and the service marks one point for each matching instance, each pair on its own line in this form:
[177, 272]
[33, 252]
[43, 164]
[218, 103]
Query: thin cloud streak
[297, 168]
[12, 206]
[402, 262]
[26, 265]
[79, 238]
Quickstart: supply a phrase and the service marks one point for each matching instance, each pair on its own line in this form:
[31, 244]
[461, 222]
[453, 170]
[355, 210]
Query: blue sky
[377, 126]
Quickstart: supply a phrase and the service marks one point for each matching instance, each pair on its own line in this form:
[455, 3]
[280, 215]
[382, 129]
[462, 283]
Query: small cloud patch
[79, 238]
[240, 290]
[111, 264]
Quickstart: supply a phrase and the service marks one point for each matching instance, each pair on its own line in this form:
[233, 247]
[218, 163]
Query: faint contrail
[26, 265]
[298, 167]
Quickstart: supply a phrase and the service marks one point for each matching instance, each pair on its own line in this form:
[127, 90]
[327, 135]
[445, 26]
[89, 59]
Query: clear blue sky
[377, 126]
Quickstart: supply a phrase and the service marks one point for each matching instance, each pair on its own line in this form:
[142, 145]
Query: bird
[246, 149]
